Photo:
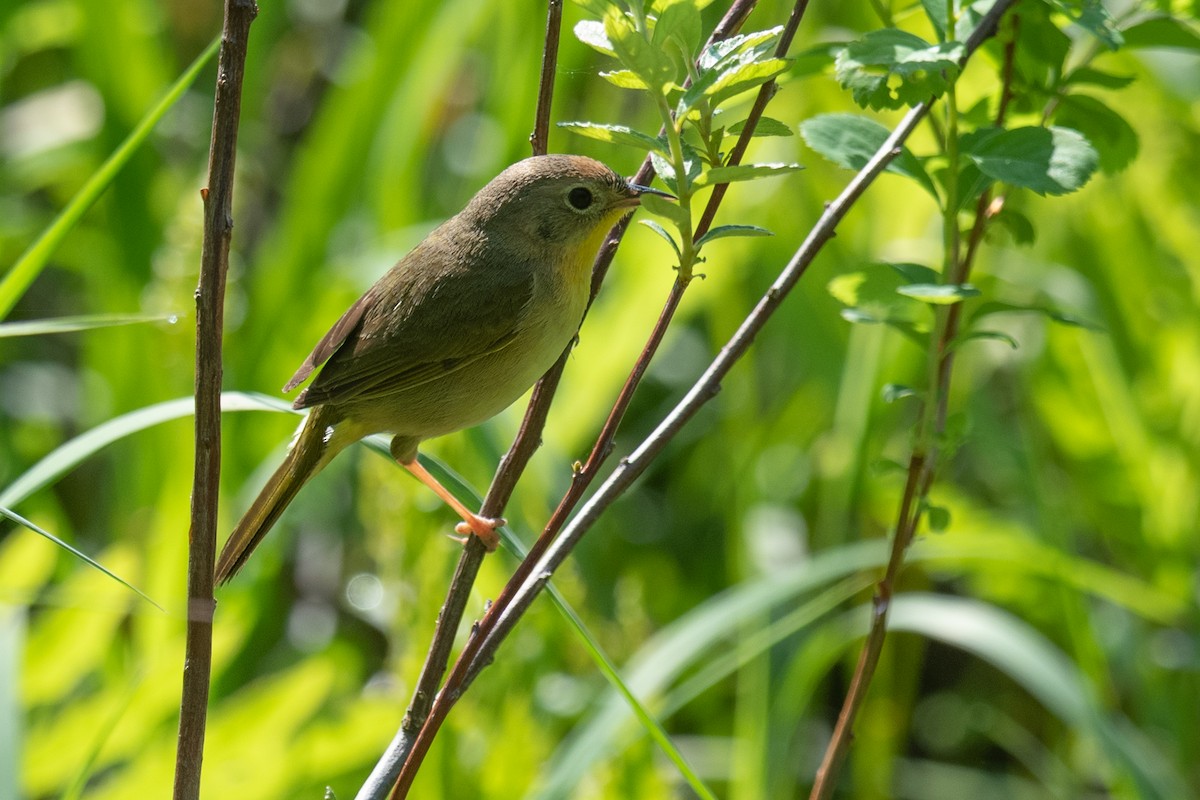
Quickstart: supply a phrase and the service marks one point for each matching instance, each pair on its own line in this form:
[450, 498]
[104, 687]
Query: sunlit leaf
[891, 68]
[766, 126]
[745, 172]
[615, 134]
[939, 294]
[724, 231]
[591, 32]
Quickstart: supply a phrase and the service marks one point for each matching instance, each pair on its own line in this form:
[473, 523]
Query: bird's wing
[417, 325]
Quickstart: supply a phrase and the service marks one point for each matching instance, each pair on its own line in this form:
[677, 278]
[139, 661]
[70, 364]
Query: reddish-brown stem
[921, 467]
[210, 300]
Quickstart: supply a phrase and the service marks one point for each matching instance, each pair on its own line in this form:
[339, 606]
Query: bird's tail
[311, 451]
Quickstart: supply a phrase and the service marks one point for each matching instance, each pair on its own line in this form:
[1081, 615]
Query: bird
[453, 333]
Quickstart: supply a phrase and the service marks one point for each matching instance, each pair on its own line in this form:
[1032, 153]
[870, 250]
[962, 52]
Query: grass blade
[34, 259]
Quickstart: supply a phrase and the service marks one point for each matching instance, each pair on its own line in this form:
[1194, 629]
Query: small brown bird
[453, 333]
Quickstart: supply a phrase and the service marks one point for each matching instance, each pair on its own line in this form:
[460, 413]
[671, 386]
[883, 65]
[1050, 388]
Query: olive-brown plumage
[453, 333]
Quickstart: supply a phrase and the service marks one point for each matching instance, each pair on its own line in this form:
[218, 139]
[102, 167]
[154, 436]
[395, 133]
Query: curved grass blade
[69, 454]
[86, 322]
[82, 556]
[34, 259]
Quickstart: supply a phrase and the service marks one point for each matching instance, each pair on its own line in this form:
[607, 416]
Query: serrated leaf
[664, 233]
[662, 207]
[766, 126]
[650, 63]
[850, 140]
[591, 32]
[17, 518]
[891, 68]
[624, 78]
[1051, 161]
[939, 294]
[744, 172]
[744, 46]
[1164, 31]
[735, 80]
[1115, 140]
[725, 231]
[614, 134]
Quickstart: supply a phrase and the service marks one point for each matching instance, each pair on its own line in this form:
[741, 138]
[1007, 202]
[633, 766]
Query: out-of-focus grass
[1074, 499]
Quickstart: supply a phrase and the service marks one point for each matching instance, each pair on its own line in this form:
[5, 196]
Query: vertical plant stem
[922, 462]
[210, 299]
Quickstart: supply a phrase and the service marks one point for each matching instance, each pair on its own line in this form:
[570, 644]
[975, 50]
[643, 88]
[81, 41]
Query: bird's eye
[579, 198]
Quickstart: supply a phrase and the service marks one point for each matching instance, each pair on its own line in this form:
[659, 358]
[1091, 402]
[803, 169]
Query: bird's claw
[484, 528]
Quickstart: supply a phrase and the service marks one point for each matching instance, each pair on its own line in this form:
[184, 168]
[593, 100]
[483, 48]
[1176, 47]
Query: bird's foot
[484, 528]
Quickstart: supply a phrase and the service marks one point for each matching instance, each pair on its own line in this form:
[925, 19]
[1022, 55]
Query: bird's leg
[483, 527]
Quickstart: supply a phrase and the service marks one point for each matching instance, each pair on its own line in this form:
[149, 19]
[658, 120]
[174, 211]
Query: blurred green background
[1046, 644]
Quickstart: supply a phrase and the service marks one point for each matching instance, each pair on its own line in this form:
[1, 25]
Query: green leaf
[1047, 160]
[938, 517]
[591, 32]
[936, 11]
[744, 172]
[1094, 77]
[1053, 314]
[939, 294]
[664, 233]
[915, 273]
[1115, 140]
[1019, 226]
[662, 207]
[42, 327]
[897, 391]
[615, 134]
[766, 127]
[678, 22]
[850, 140]
[34, 259]
[971, 336]
[744, 47]
[692, 162]
[725, 231]
[1165, 32]
[735, 80]
[1093, 17]
[626, 79]
[733, 66]
[650, 63]
[17, 518]
[891, 68]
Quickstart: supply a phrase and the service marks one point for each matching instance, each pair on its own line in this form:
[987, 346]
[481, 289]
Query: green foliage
[730, 588]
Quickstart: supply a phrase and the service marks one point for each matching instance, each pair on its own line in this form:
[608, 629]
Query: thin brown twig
[527, 441]
[921, 467]
[210, 300]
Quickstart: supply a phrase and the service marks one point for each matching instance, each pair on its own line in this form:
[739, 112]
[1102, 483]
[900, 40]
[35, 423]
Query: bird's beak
[639, 190]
